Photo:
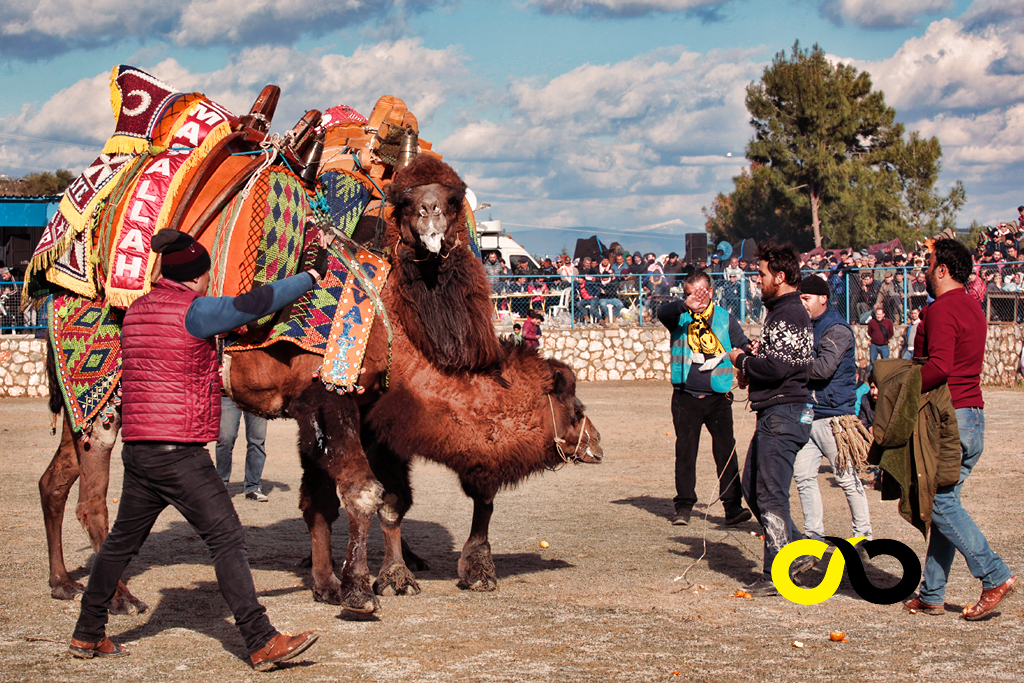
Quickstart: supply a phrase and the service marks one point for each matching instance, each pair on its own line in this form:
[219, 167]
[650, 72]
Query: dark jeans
[689, 414]
[156, 476]
[768, 473]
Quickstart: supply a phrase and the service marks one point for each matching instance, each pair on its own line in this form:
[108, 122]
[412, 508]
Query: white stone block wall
[22, 366]
[595, 354]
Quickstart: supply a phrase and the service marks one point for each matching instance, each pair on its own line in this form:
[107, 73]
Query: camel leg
[92, 512]
[476, 568]
[329, 428]
[54, 487]
[319, 504]
[393, 474]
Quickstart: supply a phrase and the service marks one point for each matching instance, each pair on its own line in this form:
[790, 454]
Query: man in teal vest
[703, 332]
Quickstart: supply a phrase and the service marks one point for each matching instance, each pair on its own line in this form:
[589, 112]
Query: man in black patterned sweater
[778, 371]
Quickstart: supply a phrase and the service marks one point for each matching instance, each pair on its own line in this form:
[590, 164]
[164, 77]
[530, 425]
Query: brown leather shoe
[104, 648]
[915, 605]
[280, 648]
[989, 600]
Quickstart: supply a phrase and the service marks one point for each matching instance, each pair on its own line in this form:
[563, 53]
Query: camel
[444, 356]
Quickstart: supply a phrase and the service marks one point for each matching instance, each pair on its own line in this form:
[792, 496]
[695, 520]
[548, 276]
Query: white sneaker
[257, 495]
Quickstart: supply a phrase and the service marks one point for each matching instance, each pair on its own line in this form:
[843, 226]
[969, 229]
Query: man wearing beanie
[833, 385]
[170, 410]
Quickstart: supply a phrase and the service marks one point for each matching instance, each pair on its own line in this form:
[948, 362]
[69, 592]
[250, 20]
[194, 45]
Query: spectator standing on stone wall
[880, 331]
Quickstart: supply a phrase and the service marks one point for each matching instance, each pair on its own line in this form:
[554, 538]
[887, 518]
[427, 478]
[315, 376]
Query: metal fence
[634, 299]
[12, 319]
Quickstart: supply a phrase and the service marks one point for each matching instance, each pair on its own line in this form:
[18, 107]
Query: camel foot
[476, 569]
[66, 590]
[360, 600]
[396, 580]
[124, 602]
[327, 591]
[480, 583]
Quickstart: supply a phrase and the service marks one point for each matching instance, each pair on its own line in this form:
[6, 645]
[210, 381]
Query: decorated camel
[428, 377]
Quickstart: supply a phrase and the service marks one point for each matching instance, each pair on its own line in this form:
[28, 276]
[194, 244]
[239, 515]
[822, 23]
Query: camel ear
[564, 378]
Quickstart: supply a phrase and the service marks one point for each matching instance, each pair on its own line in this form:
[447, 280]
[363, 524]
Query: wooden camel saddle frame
[372, 153]
[202, 200]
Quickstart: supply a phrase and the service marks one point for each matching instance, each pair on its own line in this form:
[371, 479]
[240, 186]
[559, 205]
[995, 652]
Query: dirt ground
[603, 602]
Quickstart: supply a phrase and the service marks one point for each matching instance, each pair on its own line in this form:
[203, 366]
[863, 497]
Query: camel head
[576, 438]
[428, 206]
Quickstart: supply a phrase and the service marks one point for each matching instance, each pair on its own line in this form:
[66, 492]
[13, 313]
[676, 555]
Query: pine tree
[829, 163]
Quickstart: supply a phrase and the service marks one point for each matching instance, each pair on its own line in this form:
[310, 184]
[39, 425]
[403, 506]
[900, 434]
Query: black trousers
[157, 475]
[689, 414]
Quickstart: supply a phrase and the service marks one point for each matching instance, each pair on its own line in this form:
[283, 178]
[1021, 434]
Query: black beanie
[183, 258]
[812, 284]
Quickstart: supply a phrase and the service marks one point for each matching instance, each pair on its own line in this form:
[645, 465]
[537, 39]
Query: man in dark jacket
[778, 374]
[833, 385]
[170, 411]
[700, 331]
[952, 337]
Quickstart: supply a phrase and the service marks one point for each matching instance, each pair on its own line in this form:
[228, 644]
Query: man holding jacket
[951, 336]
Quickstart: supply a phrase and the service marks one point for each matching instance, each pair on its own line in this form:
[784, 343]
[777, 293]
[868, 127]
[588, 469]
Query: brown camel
[445, 357]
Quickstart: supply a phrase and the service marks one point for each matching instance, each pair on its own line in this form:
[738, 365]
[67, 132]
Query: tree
[829, 163]
[37, 184]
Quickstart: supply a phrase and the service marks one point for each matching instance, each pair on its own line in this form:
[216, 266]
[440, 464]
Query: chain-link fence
[12, 319]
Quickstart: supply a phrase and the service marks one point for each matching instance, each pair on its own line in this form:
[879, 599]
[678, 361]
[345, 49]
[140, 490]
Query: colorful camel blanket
[86, 339]
[333, 319]
[160, 136]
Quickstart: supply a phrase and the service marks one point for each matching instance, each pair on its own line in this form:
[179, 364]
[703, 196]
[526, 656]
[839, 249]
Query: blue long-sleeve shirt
[209, 316]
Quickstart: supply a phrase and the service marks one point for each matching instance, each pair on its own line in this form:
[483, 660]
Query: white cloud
[965, 86]
[880, 14]
[984, 13]
[952, 68]
[629, 8]
[36, 29]
[640, 142]
[425, 78]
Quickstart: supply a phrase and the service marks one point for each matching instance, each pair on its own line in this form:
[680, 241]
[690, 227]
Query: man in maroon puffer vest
[170, 411]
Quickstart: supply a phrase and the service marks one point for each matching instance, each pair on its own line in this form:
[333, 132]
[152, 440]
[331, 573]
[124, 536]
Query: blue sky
[615, 114]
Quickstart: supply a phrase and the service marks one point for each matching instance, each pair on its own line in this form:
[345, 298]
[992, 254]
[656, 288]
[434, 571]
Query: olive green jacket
[916, 439]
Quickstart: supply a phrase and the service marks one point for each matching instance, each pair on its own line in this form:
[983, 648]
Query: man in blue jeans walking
[952, 336]
[778, 372]
[255, 447]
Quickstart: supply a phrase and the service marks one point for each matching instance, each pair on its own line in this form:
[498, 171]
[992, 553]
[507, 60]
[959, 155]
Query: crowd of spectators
[888, 278]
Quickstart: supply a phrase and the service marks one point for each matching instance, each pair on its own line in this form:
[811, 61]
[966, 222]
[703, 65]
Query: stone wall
[596, 354]
[599, 354]
[23, 366]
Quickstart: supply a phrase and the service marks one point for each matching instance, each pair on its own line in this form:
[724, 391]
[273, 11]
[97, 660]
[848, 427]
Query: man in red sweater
[952, 336]
[880, 331]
